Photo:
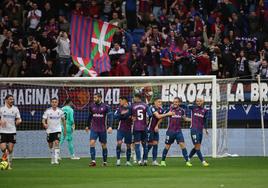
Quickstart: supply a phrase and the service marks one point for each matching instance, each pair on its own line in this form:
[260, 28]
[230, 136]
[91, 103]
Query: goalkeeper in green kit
[70, 126]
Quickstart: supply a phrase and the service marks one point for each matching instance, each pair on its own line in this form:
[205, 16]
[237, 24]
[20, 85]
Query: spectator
[182, 30]
[49, 69]
[115, 20]
[264, 69]
[64, 53]
[52, 28]
[167, 62]
[9, 69]
[64, 25]
[204, 64]
[242, 65]
[117, 50]
[34, 60]
[48, 13]
[33, 18]
[24, 70]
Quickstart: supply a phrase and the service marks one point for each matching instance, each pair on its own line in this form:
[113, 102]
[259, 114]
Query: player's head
[9, 100]
[97, 98]
[199, 102]
[157, 102]
[123, 101]
[137, 97]
[68, 102]
[177, 101]
[54, 102]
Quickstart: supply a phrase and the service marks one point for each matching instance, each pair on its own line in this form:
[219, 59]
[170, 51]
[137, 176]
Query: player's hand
[134, 118]
[170, 113]
[156, 129]
[3, 123]
[110, 130]
[18, 121]
[45, 126]
[87, 129]
[73, 127]
[124, 112]
[206, 132]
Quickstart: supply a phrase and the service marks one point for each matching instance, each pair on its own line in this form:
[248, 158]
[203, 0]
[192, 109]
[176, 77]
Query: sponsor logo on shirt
[97, 115]
[198, 115]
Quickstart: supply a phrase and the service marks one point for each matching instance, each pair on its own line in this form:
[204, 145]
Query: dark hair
[137, 95]
[98, 95]
[54, 98]
[156, 98]
[67, 101]
[7, 96]
[178, 98]
[123, 98]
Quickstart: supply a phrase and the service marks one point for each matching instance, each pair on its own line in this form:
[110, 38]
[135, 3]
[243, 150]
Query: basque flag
[90, 43]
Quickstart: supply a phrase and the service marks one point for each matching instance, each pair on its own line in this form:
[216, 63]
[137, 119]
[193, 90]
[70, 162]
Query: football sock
[93, 153]
[52, 151]
[104, 154]
[10, 157]
[138, 152]
[128, 154]
[57, 153]
[164, 154]
[155, 148]
[185, 154]
[71, 147]
[118, 151]
[145, 151]
[193, 151]
[199, 154]
[149, 147]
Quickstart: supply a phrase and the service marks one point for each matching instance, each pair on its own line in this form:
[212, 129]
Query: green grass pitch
[244, 172]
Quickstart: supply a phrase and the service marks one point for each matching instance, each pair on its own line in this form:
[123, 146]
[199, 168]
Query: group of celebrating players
[134, 129]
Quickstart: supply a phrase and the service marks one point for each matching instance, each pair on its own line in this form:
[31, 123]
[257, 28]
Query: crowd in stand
[227, 38]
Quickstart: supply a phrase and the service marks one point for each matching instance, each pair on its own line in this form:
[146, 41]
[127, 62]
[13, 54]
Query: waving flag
[90, 42]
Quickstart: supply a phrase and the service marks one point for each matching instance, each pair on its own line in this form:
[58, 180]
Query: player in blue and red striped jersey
[198, 123]
[174, 131]
[99, 113]
[157, 113]
[123, 114]
[139, 113]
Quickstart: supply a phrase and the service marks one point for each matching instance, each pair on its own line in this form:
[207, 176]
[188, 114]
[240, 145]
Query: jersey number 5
[140, 114]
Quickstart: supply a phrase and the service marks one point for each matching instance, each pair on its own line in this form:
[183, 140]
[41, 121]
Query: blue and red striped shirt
[123, 114]
[98, 116]
[139, 111]
[198, 118]
[175, 121]
[154, 120]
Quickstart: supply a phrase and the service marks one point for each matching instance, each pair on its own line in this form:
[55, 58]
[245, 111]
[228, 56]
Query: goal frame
[103, 81]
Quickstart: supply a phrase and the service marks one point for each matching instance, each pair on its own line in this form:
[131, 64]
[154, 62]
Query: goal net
[32, 96]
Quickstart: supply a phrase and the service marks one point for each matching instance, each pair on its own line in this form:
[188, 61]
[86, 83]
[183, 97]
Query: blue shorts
[124, 135]
[172, 136]
[101, 135]
[196, 136]
[140, 136]
[153, 136]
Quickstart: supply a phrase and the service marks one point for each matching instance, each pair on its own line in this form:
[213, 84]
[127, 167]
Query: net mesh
[33, 97]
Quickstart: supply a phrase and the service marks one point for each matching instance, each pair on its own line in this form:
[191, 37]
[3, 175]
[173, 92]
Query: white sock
[52, 154]
[9, 158]
[57, 153]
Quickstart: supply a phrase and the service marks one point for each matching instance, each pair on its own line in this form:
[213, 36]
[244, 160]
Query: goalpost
[32, 96]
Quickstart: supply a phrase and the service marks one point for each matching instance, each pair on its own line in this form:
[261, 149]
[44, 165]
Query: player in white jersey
[52, 120]
[9, 119]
